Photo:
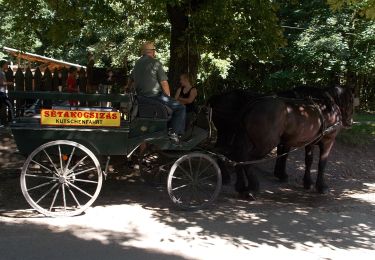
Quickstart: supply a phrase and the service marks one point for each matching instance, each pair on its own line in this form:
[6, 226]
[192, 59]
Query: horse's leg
[241, 181]
[280, 165]
[325, 148]
[225, 174]
[309, 152]
[247, 183]
[253, 182]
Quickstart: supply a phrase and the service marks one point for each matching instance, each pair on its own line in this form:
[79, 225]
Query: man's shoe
[174, 138]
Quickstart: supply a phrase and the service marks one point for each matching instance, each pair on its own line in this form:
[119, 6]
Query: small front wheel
[61, 178]
[194, 181]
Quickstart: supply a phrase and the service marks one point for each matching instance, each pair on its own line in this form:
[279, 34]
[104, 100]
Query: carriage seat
[151, 108]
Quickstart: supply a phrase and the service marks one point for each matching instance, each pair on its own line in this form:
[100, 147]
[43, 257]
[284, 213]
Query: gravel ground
[133, 220]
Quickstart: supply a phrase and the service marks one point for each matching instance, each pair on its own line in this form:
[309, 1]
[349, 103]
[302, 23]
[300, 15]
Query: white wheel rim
[203, 180]
[61, 180]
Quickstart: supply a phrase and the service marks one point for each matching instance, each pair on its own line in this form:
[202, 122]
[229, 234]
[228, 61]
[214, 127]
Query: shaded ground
[132, 220]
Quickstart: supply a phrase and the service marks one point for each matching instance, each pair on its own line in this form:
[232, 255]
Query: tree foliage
[113, 29]
[364, 7]
[262, 45]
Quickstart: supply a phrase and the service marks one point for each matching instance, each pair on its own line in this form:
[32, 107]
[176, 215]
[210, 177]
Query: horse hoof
[283, 178]
[322, 190]
[306, 186]
[247, 196]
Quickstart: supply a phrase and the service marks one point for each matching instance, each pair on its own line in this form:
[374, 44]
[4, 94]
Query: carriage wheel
[61, 178]
[194, 181]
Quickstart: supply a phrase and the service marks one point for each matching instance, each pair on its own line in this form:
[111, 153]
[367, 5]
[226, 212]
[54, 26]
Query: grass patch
[361, 133]
[364, 117]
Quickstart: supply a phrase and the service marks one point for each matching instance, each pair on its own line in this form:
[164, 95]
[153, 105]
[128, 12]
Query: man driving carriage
[150, 80]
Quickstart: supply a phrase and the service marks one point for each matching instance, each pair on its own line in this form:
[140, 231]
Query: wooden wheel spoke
[54, 199]
[41, 185]
[191, 168]
[50, 160]
[60, 157]
[180, 178]
[44, 167]
[180, 187]
[74, 197]
[207, 177]
[205, 169]
[45, 194]
[80, 161]
[81, 172]
[87, 181]
[79, 189]
[70, 158]
[42, 177]
[186, 173]
[63, 196]
[199, 164]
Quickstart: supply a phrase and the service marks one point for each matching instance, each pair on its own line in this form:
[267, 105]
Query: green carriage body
[29, 133]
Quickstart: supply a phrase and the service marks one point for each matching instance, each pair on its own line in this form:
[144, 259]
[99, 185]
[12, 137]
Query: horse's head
[345, 100]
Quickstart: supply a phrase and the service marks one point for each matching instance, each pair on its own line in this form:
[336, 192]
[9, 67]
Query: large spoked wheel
[61, 178]
[194, 181]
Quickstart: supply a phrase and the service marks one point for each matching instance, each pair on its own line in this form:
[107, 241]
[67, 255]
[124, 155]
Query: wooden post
[37, 79]
[28, 80]
[47, 80]
[20, 80]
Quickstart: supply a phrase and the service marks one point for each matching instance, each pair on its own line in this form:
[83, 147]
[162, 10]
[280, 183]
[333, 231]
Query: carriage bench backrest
[151, 108]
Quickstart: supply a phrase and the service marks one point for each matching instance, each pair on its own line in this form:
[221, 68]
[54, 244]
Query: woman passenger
[186, 95]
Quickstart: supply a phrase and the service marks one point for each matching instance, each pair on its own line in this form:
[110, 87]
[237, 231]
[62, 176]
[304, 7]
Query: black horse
[266, 122]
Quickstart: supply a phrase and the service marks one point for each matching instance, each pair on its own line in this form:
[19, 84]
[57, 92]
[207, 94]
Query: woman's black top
[191, 106]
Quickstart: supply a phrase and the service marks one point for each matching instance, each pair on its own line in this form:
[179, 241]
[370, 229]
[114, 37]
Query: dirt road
[132, 220]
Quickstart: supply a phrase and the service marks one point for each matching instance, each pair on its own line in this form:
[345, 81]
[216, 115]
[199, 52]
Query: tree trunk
[184, 57]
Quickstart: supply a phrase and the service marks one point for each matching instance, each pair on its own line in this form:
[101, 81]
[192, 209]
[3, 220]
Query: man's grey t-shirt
[147, 75]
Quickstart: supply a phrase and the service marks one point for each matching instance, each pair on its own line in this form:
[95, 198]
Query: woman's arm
[190, 99]
[177, 95]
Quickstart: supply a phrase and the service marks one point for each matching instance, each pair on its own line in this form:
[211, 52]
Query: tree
[365, 8]
[233, 29]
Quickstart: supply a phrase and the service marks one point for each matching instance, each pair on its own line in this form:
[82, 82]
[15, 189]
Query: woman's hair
[186, 75]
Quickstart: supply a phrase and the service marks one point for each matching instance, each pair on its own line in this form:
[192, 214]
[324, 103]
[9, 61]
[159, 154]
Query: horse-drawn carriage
[68, 150]
[68, 147]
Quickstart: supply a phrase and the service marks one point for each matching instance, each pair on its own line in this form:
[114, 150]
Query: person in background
[71, 84]
[150, 80]
[3, 79]
[4, 101]
[186, 94]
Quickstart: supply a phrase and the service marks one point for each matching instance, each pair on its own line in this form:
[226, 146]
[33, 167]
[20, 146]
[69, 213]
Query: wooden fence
[50, 80]
[47, 81]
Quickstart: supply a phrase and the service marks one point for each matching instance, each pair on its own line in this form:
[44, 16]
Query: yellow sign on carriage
[54, 117]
